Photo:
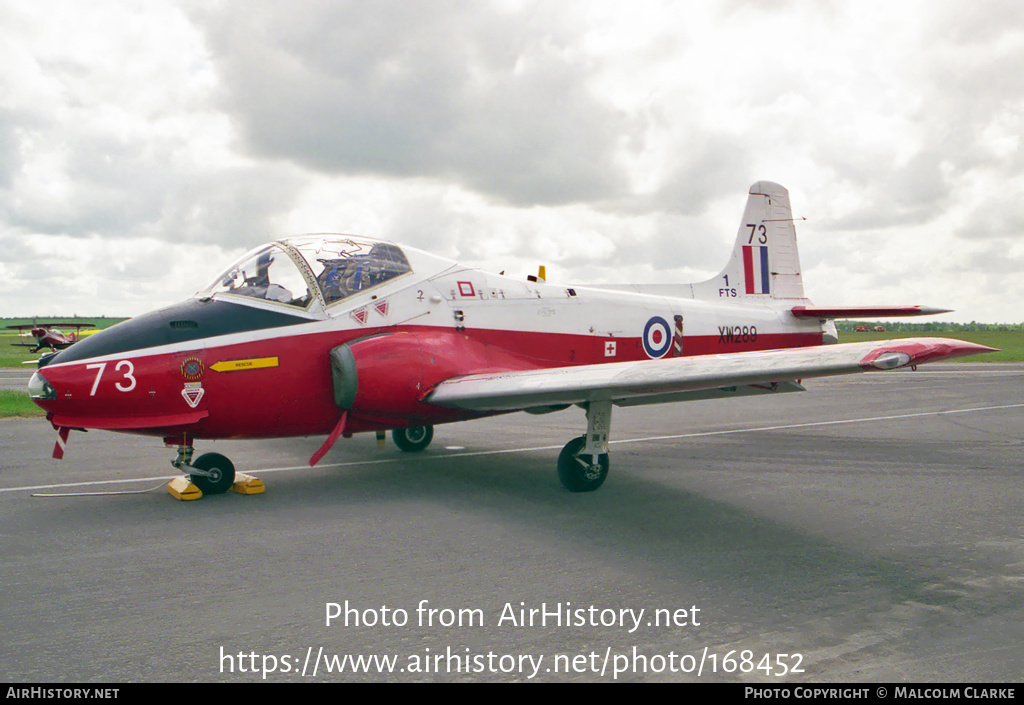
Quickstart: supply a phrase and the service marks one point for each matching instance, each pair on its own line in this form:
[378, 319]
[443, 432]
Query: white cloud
[496, 101]
[609, 141]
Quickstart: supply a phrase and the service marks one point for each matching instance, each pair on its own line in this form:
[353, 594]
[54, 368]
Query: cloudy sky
[143, 145]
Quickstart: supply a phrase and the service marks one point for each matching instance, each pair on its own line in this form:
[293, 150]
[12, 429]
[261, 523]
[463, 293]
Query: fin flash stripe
[755, 269]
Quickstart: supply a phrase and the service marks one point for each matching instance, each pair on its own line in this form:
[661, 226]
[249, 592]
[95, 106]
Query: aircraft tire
[576, 477]
[412, 439]
[224, 473]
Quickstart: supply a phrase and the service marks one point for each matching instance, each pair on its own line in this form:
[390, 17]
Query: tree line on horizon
[933, 326]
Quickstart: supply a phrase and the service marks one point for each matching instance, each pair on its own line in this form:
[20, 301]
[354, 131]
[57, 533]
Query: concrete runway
[15, 378]
[869, 529]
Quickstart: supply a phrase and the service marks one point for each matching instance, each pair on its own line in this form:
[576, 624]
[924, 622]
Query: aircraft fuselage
[222, 368]
[335, 334]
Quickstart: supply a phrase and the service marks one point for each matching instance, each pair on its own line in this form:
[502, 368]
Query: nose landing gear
[215, 473]
[212, 473]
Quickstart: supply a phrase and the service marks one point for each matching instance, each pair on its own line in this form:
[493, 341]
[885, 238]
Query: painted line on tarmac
[821, 423]
[470, 454]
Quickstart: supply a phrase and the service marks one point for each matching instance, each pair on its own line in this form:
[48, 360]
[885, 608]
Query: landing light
[40, 388]
[891, 360]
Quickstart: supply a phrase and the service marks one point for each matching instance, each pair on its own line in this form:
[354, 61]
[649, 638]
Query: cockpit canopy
[302, 272]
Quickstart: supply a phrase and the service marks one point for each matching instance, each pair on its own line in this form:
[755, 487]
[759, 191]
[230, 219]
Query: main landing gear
[412, 439]
[583, 463]
[212, 473]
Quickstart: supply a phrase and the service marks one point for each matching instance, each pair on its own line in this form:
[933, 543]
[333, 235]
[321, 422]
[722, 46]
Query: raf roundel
[657, 337]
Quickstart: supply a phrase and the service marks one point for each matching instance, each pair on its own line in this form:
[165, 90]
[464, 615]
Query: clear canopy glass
[266, 273]
[346, 266]
[288, 271]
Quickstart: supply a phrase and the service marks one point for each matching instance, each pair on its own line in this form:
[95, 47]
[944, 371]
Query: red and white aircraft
[48, 336]
[334, 334]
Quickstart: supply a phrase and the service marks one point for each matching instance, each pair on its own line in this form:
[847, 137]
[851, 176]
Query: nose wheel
[212, 473]
[219, 473]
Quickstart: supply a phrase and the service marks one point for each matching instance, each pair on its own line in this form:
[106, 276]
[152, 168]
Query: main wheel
[576, 474]
[412, 439]
[222, 473]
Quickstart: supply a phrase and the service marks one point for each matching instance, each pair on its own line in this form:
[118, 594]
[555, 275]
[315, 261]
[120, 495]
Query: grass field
[17, 405]
[13, 356]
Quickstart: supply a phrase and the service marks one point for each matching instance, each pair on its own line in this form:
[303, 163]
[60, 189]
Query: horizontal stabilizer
[864, 311]
[654, 381]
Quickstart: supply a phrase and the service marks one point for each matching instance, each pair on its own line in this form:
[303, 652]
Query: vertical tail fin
[764, 261]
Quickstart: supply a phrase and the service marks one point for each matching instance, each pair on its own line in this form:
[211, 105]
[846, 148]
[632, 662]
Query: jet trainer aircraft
[336, 334]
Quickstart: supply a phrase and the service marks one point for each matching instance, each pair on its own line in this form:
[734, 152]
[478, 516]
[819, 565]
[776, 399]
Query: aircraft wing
[30, 326]
[676, 379]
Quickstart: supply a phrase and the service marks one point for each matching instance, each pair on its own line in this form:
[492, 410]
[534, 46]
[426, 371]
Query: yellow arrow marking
[236, 365]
